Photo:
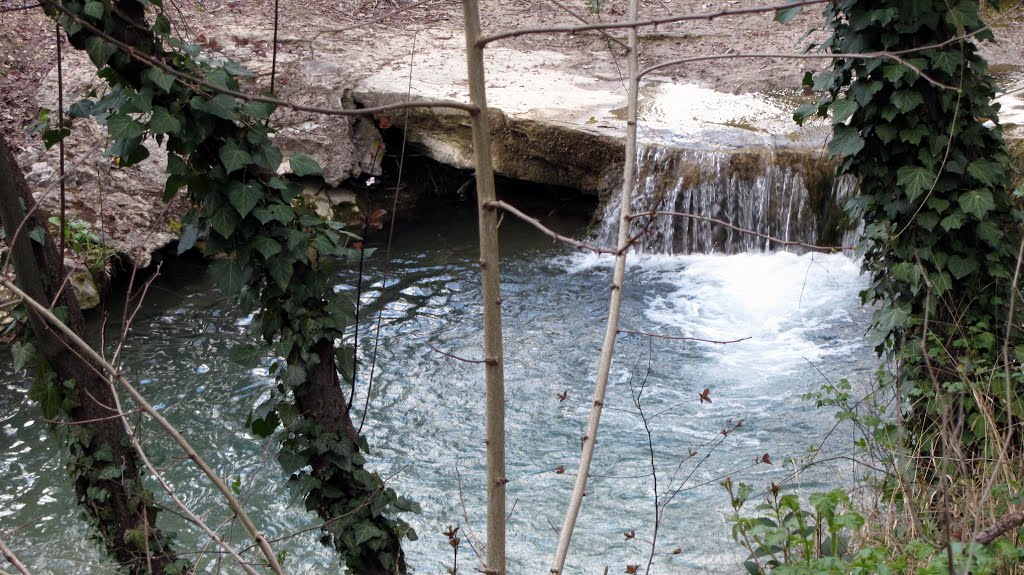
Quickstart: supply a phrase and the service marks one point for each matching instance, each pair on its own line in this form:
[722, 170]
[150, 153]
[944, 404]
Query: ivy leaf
[914, 180]
[279, 212]
[842, 110]
[886, 132]
[162, 122]
[259, 110]
[189, 235]
[906, 100]
[122, 127]
[961, 267]
[914, 135]
[268, 247]
[94, 9]
[891, 318]
[266, 426]
[221, 105]
[977, 203]
[953, 221]
[280, 269]
[230, 275]
[290, 461]
[23, 353]
[823, 81]
[893, 72]
[303, 165]
[988, 172]
[225, 220]
[267, 156]
[81, 108]
[53, 137]
[244, 197]
[846, 141]
[246, 355]
[946, 61]
[99, 50]
[160, 78]
[233, 157]
[989, 232]
[366, 531]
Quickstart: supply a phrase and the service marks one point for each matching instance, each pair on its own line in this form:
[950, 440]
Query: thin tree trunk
[614, 306]
[118, 503]
[491, 278]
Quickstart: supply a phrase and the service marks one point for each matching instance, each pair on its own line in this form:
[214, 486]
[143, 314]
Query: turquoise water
[424, 423]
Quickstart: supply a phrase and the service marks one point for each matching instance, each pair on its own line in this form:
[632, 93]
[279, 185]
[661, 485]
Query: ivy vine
[268, 250]
[914, 120]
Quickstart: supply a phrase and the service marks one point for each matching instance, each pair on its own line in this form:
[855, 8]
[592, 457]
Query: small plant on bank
[87, 245]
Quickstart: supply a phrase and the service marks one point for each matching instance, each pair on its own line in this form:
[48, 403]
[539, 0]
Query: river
[801, 314]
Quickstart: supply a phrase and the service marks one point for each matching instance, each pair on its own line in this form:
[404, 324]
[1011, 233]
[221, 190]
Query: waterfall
[787, 194]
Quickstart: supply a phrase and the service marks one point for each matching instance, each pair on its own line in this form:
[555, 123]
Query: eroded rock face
[123, 205]
[344, 146]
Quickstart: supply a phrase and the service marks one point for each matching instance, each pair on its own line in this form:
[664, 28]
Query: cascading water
[789, 195]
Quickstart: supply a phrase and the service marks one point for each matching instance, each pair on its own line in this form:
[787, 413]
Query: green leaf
[38, 234]
[122, 127]
[259, 110]
[989, 232]
[914, 135]
[160, 78]
[244, 197]
[278, 212]
[291, 461]
[961, 267]
[366, 531]
[915, 180]
[906, 100]
[988, 172]
[94, 9]
[230, 275]
[266, 426]
[303, 165]
[23, 353]
[953, 221]
[886, 132]
[225, 220]
[81, 108]
[189, 235]
[53, 137]
[977, 203]
[233, 157]
[946, 61]
[846, 141]
[891, 318]
[162, 122]
[785, 15]
[893, 72]
[267, 156]
[823, 81]
[99, 50]
[842, 110]
[246, 355]
[280, 269]
[268, 247]
[221, 105]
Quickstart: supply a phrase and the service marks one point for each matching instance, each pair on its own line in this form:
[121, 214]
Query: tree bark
[120, 506]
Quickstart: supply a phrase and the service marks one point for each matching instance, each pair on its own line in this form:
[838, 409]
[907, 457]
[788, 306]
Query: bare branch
[12, 558]
[634, 23]
[547, 231]
[830, 249]
[453, 356]
[1002, 525]
[245, 97]
[145, 406]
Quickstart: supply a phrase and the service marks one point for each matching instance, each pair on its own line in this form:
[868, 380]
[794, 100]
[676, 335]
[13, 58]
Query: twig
[683, 338]
[453, 356]
[548, 232]
[193, 81]
[830, 249]
[633, 23]
[1004, 524]
[145, 406]
[12, 558]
